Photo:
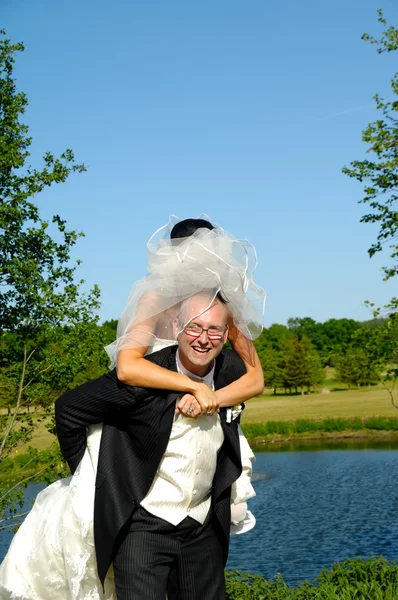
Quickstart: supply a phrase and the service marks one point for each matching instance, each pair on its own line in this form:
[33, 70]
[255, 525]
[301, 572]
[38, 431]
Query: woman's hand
[206, 398]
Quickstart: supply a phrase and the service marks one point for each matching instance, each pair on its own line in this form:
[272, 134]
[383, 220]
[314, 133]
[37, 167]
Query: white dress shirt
[183, 482]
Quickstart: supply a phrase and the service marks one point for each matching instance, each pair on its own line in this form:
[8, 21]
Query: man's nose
[204, 337]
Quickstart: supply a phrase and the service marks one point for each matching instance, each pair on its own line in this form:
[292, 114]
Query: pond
[314, 506]
[317, 507]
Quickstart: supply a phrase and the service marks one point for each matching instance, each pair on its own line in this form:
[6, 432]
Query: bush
[282, 427]
[382, 423]
[356, 424]
[253, 430]
[334, 424]
[304, 425]
[352, 579]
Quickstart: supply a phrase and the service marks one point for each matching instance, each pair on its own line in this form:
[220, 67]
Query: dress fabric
[52, 555]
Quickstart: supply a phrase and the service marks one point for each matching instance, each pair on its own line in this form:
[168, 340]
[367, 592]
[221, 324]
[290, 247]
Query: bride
[52, 556]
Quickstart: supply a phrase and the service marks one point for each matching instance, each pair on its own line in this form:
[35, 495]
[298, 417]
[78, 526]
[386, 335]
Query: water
[319, 507]
[313, 508]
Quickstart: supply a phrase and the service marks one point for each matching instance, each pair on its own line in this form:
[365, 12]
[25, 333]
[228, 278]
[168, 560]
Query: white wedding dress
[52, 555]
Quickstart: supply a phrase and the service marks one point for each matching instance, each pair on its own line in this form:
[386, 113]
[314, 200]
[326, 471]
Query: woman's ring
[208, 412]
[190, 410]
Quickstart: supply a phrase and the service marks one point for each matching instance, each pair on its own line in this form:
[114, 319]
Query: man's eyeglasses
[213, 333]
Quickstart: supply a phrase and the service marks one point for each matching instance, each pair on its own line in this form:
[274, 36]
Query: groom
[162, 503]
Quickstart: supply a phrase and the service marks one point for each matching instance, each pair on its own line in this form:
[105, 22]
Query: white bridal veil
[210, 262]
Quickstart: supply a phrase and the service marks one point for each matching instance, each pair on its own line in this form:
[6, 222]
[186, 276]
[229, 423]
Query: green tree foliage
[381, 349]
[273, 336]
[356, 367]
[337, 343]
[328, 338]
[272, 364]
[379, 172]
[48, 330]
[109, 328]
[302, 365]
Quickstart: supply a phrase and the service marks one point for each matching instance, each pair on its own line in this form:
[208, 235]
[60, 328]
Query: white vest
[183, 482]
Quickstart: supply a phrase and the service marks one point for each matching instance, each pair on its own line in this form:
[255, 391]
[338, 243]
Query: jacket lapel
[229, 465]
[171, 365]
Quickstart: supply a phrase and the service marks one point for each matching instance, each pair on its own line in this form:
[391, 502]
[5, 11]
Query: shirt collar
[208, 379]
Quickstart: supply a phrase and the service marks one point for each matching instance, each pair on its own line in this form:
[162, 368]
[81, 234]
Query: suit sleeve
[232, 368]
[96, 401]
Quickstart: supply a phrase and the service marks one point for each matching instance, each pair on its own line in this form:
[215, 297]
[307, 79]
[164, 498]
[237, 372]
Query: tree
[380, 346]
[380, 172]
[39, 295]
[302, 365]
[327, 338]
[271, 362]
[275, 336]
[356, 367]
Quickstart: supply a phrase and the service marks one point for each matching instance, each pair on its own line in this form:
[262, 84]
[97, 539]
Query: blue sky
[246, 111]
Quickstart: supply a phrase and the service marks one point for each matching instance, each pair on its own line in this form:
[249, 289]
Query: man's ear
[226, 335]
[176, 328]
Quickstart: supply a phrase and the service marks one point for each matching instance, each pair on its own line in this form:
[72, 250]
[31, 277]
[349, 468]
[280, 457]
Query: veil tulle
[209, 262]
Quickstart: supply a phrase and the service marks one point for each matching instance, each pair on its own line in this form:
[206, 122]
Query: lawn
[42, 438]
[363, 402]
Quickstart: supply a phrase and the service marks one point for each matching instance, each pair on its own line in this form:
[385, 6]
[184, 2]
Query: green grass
[331, 425]
[327, 413]
[363, 402]
[352, 579]
[42, 438]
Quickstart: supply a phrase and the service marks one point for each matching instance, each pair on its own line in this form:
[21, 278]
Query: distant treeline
[293, 356]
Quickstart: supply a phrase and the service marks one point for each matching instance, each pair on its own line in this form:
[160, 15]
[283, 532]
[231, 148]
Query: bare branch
[30, 355]
[18, 516]
[36, 375]
[19, 398]
[390, 392]
[22, 482]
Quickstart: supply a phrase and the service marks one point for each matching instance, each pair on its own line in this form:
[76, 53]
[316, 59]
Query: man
[162, 504]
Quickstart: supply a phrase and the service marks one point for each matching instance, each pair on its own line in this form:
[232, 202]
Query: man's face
[197, 348]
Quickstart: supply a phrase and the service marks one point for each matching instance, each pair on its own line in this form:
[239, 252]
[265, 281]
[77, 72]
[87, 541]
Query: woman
[212, 259]
[52, 556]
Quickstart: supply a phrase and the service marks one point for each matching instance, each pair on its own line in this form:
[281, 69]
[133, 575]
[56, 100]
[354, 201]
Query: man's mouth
[200, 351]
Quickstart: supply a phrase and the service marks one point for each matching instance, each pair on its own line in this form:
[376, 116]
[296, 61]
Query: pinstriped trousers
[156, 557]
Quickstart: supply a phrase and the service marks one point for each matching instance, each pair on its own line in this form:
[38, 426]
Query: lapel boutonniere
[234, 412]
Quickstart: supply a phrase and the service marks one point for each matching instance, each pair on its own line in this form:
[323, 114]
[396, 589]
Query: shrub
[383, 423]
[352, 579]
[304, 425]
[334, 424]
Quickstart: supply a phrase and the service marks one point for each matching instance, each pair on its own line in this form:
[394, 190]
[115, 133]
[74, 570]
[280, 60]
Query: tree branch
[36, 375]
[19, 398]
[13, 518]
[22, 482]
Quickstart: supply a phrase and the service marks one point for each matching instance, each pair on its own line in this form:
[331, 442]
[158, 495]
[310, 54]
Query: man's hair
[182, 320]
[187, 227]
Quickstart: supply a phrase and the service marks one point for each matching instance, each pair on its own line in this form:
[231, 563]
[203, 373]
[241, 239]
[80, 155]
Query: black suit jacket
[137, 426]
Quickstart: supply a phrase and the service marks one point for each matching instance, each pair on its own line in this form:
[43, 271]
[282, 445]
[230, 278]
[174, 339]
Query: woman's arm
[252, 383]
[133, 369]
